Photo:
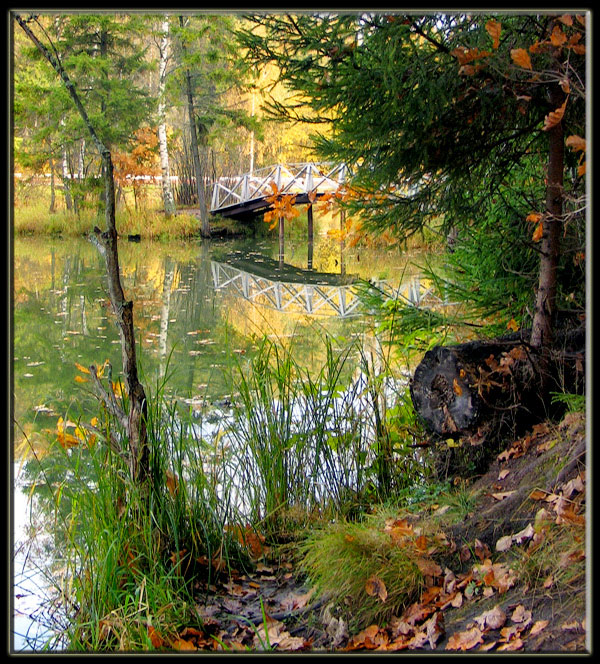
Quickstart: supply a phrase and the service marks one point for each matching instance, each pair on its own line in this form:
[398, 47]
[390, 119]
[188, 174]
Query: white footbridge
[247, 194]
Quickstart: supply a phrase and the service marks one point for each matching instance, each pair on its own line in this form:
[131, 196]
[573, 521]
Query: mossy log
[485, 389]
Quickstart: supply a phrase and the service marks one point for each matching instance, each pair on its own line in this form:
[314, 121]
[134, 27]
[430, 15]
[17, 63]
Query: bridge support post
[342, 243]
[309, 215]
[281, 241]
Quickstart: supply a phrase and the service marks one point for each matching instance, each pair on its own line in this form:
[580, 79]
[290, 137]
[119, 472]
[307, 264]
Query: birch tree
[163, 49]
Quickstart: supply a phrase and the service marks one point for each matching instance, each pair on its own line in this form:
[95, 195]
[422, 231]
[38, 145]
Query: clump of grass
[557, 561]
[341, 558]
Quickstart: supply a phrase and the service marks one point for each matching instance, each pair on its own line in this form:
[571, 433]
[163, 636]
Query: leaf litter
[473, 599]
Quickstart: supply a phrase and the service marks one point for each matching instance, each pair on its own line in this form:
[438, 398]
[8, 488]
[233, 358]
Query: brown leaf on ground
[465, 640]
[538, 627]
[515, 644]
[375, 587]
[502, 495]
[183, 644]
[492, 619]
[428, 567]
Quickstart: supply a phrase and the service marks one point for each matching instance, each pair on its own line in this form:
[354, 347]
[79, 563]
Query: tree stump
[480, 393]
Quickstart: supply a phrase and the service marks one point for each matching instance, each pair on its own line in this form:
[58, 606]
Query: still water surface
[194, 309]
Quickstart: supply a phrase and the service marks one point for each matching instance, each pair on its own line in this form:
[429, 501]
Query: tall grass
[294, 443]
[135, 561]
[321, 443]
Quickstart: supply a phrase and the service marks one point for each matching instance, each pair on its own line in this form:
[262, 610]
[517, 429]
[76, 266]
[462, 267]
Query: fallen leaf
[538, 626]
[493, 619]
[465, 640]
[502, 495]
[182, 644]
[549, 581]
[527, 533]
[375, 587]
[504, 543]
[487, 646]
[428, 567]
[457, 602]
[521, 616]
[538, 494]
[503, 473]
[482, 551]
[154, 637]
[515, 644]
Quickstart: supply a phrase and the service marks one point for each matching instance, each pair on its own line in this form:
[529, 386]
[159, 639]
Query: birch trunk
[168, 199]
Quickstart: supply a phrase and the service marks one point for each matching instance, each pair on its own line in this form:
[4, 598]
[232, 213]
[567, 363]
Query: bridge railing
[290, 179]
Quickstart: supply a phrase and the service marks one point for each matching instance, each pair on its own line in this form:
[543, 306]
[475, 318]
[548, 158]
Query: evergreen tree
[443, 115]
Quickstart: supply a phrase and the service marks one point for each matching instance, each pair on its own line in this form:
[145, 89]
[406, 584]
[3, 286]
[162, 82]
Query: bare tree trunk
[168, 200]
[205, 226]
[542, 327]
[135, 421]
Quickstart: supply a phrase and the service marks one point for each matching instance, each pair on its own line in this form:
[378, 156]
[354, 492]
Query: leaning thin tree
[134, 422]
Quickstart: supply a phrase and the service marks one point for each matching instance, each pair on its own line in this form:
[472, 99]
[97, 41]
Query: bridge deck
[246, 195]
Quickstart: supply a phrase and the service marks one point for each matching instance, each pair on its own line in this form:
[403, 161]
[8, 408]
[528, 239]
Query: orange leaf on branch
[521, 58]
[554, 117]
[494, 28]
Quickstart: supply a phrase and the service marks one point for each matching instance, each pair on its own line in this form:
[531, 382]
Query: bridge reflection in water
[287, 288]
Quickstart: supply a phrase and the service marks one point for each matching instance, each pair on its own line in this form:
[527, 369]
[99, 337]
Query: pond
[198, 307]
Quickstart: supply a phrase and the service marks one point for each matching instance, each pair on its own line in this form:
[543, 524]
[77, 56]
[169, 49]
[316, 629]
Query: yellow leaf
[67, 440]
[80, 379]
[566, 19]
[172, 483]
[456, 387]
[533, 217]
[513, 325]
[581, 169]
[521, 58]
[494, 28]
[538, 232]
[82, 368]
